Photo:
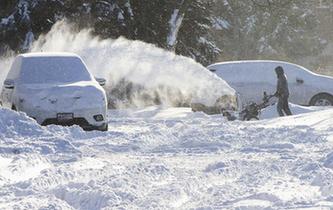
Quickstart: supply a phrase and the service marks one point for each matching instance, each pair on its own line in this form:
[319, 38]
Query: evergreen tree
[22, 21]
[284, 29]
[195, 39]
[149, 21]
[243, 29]
[146, 20]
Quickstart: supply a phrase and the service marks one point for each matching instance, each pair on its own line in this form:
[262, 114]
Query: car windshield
[42, 70]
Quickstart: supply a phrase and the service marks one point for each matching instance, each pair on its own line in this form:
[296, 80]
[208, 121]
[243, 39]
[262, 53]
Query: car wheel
[251, 118]
[14, 108]
[105, 127]
[322, 99]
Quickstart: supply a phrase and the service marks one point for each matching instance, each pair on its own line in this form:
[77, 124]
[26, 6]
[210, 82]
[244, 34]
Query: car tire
[105, 127]
[14, 108]
[322, 99]
[250, 118]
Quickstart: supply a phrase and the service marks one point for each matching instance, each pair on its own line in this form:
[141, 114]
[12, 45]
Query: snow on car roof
[45, 67]
[254, 61]
[48, 54]
[277, 62]
[53, 67]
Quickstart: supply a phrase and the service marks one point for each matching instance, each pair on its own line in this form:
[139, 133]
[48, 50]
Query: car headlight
[99, 117]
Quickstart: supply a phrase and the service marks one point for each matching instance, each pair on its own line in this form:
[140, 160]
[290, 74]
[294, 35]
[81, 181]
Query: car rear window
[36, 70]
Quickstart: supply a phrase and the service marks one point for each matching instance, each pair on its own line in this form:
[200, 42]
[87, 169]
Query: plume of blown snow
[5, 63]
[136, 72]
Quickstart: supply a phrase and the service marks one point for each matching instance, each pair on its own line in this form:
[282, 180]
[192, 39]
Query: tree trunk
[175, 23]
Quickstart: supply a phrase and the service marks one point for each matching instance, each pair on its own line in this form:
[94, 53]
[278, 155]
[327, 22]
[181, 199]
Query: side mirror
[299, 81]
[101, 81]
[9, 84]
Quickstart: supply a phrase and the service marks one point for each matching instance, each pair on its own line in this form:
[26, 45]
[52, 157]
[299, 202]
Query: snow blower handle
[267, 97]
[271, 96]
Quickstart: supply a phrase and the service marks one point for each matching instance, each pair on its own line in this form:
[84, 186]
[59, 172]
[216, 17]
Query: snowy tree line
[205, 30]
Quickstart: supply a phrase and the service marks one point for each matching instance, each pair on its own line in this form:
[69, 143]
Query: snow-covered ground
[271, 111]
[168, 158]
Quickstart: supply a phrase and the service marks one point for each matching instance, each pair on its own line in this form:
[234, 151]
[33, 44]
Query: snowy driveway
[158, 158]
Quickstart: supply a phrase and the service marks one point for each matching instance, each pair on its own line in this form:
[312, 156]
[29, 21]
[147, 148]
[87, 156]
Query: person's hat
[279, 70]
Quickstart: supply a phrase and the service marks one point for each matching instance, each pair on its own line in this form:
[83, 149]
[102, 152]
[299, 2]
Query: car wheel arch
[14, 107]
[320, 95]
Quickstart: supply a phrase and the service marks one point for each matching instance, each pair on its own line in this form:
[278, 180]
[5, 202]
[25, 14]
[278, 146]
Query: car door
[261, 78]
[298, 83]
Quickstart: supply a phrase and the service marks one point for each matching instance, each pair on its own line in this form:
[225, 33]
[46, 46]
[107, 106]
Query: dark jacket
[282, 86]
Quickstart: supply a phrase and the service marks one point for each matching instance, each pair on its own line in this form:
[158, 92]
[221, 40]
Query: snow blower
[253, 110]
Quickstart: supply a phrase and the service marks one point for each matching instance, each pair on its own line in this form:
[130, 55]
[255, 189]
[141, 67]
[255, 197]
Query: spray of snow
[136, 72]
[5, 63]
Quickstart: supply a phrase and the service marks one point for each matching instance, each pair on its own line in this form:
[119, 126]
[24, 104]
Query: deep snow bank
[20, 134]
[17, 124]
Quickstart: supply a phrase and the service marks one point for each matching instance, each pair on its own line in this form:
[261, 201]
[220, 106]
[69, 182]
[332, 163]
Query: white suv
[55, 88]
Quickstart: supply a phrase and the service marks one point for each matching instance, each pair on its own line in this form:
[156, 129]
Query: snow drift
[20, 134]
[168, 158]
[271, 111]
[135, 71]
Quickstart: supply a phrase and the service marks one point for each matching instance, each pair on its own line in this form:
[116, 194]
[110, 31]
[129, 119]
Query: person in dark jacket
[282, 92]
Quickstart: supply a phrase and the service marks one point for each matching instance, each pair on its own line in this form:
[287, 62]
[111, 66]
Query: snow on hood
[90, 94]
